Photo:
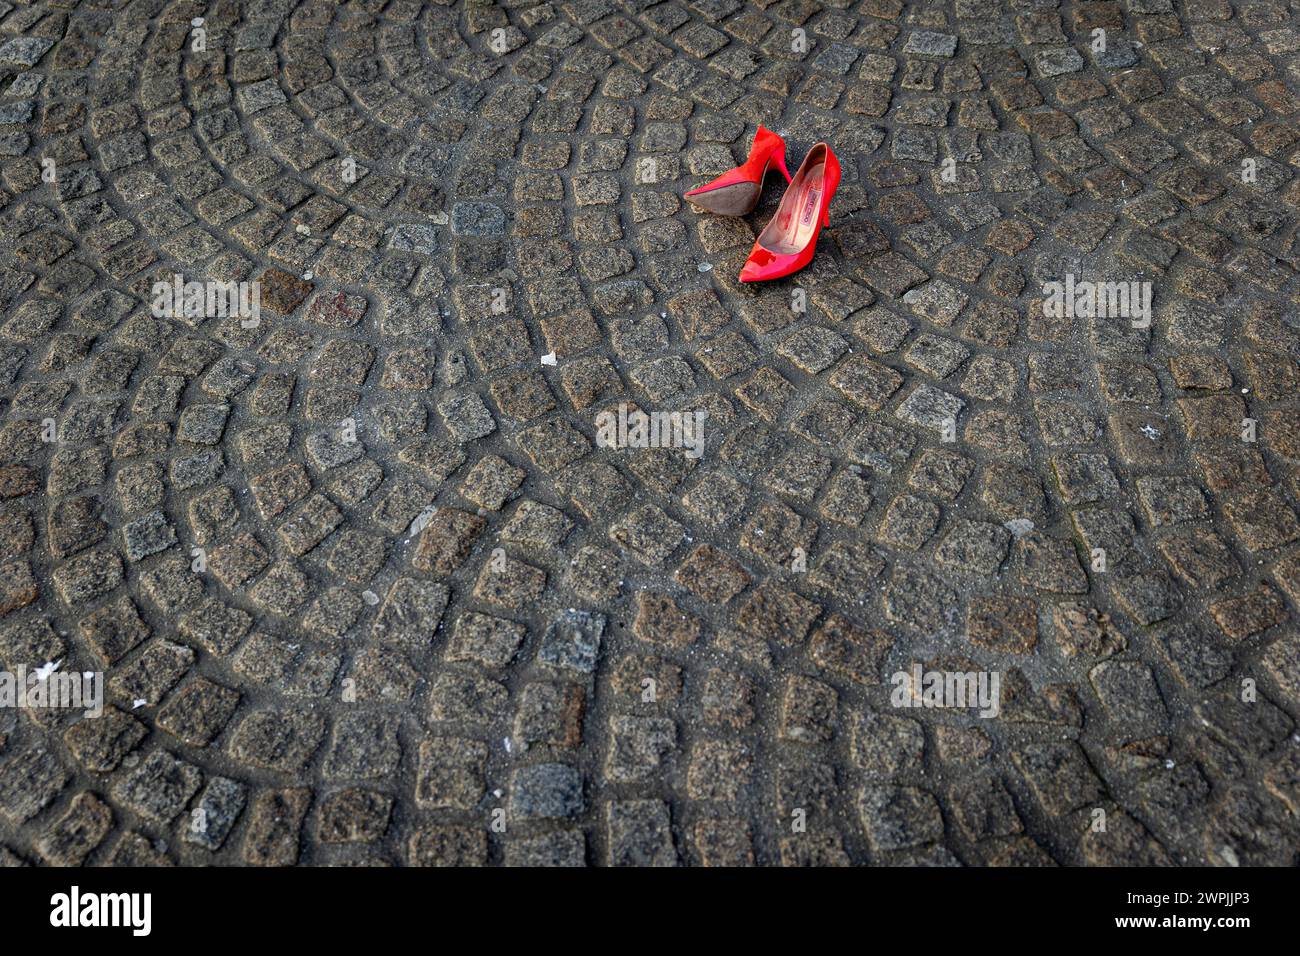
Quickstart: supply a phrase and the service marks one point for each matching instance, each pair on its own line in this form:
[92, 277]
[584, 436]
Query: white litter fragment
[46, 669]
[1019, 526]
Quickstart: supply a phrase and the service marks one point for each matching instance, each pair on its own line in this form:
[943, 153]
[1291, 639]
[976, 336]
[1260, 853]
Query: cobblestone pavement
[465, 226]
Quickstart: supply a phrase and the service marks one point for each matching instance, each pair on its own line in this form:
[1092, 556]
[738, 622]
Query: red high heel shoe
[735, 192]
[787, 244]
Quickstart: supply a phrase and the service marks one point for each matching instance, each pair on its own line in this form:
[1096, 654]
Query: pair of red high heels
[787, 243]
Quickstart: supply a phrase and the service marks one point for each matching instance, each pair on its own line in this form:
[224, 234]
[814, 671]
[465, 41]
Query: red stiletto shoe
[787, 244]
[735, 192]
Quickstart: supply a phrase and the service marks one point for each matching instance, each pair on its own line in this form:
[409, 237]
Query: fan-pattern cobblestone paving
[365, 588]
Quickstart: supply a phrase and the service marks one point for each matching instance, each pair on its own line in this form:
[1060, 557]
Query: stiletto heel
[788, 242]
[735, 192]
[780, 164]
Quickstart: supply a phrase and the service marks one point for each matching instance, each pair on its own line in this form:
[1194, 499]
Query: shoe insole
[795, 222]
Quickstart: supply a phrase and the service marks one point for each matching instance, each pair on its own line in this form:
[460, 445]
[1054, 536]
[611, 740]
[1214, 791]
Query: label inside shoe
[810, 204]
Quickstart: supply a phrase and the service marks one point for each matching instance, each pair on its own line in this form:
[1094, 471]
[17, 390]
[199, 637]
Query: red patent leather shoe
[735, 192]
[787, 244]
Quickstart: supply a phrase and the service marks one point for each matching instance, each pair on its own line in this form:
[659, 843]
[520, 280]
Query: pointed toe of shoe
[699, 198]
[734, 199]
[762, 265]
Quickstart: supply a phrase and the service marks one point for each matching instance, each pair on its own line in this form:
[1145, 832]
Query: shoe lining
[796, 219]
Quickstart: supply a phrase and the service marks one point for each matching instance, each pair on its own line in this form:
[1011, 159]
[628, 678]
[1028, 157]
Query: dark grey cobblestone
[366, 583]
